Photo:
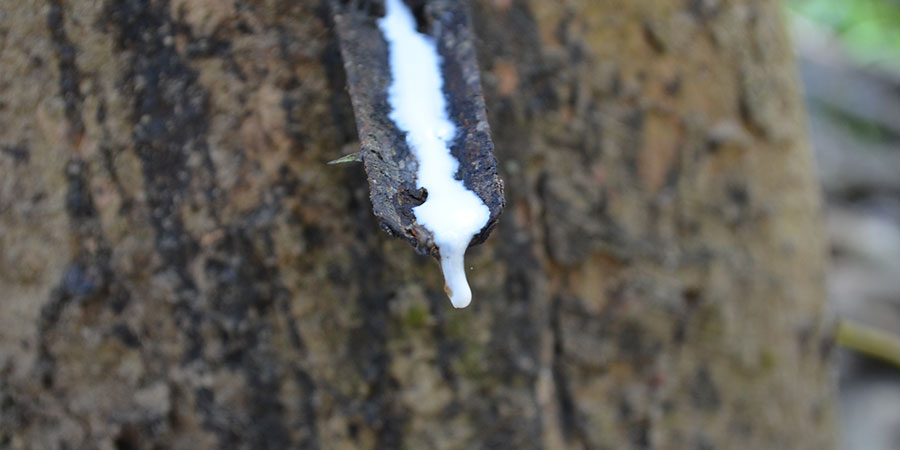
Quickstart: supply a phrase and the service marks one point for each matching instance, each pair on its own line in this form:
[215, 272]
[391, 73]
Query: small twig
[869, 340]
[352, 157]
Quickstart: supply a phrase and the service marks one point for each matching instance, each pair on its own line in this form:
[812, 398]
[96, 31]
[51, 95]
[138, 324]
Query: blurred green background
[869, 29]
[848, 56]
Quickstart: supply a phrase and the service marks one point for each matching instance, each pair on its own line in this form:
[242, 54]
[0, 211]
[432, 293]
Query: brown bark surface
[179, 268]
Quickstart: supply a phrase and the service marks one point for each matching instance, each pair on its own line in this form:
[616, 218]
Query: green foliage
[870, 29]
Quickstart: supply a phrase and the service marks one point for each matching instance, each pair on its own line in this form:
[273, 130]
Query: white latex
[451, 212]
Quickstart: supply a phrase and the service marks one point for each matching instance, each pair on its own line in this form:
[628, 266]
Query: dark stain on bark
[202, 47]
[81, 279]
[514, 36]
[88, 277]
[515, 342]
[79, 204]
[448, 349]
[737, 209]
[246, 296]
[169, 113]
[19, 153]
[691, 296]
[205, 47]
[633, 344]
[171, 123]
[639, 433]
[570, 421]
[634, 122]
[108, 155]
[577, 227]
[339, 101]
[703, 10]
[704, 392]
[124, 334]
[738, 195]
[374, 8]
[128, 438]
[12, 416]
[305, 383]
[653, 38]
[748, 107]
[703, 442]
[674, 86]
[367, 344]
[69, 76]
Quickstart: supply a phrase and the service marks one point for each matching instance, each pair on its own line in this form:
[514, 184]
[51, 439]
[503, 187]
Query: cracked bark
[179, 268]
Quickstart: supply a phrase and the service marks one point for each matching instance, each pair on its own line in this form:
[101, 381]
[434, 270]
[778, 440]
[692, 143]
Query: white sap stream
[451, 212]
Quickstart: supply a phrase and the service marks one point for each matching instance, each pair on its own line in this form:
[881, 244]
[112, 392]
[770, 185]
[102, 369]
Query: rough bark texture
[179, 269]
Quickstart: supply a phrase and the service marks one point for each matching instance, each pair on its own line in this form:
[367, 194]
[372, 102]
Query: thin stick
[353, 157]
[391, 166]
[869, 340]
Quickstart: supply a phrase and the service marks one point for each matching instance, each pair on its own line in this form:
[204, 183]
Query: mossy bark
[180, 269]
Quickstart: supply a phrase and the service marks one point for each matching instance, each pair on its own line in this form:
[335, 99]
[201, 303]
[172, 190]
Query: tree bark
[179, 268]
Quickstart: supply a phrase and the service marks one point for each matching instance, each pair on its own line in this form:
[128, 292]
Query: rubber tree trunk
[179, 268]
